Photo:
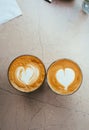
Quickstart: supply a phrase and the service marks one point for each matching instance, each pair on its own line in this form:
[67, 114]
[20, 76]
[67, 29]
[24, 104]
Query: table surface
[50, 32]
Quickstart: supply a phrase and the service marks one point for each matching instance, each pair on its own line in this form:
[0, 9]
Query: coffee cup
[64, 76]
[26, 73]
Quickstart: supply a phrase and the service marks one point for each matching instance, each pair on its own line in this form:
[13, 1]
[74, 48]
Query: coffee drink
[64, 77]
[26, 73]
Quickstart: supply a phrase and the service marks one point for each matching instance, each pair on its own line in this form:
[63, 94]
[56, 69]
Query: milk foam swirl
[65, 77]
[27, 75]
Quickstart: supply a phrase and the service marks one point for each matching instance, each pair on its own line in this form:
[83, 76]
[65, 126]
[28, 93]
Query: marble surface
[50, 32]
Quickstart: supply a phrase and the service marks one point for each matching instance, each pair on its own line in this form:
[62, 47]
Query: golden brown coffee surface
[26, 73]
[64, 76]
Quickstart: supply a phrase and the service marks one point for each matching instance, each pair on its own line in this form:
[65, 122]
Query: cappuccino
[26, 73]
[64, 76]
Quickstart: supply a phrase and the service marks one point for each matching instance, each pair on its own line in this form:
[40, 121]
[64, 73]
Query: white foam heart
[28, 75]
[65, 77]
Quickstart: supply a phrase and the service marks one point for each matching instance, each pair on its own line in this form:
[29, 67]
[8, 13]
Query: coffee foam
[65, 77]
[27, 75]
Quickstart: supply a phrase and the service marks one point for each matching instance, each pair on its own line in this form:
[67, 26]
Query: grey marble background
[50, 32]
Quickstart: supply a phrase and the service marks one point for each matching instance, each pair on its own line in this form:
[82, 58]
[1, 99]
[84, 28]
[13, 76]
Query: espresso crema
[26, 73]
[64, 76]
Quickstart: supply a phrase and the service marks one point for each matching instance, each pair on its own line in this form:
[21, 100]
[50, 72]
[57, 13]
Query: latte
[26, 73]
[64, 77]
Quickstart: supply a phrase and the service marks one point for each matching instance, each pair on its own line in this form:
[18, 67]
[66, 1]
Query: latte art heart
[65, 77]
[26, 73]
[27, 76]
